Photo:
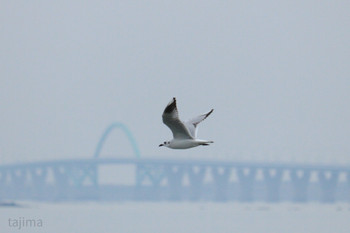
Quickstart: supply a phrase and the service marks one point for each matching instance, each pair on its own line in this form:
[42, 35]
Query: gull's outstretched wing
[191, 124]
[171, 119]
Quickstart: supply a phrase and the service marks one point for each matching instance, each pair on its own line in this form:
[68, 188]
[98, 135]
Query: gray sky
[277, 74]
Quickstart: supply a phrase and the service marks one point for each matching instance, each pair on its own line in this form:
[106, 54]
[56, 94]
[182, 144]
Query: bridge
[172, 179]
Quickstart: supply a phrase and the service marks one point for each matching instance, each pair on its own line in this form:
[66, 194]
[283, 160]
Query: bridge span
[174, 180]
[171, 179]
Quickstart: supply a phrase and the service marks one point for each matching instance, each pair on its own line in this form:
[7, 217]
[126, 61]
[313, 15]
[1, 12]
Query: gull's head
[165, 144]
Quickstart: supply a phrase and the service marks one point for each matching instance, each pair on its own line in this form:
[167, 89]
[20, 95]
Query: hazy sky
[276, 72]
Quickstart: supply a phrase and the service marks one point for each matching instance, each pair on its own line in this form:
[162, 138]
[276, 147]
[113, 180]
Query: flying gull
[184, 133]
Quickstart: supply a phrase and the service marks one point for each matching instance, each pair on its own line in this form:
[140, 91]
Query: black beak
[161, 145]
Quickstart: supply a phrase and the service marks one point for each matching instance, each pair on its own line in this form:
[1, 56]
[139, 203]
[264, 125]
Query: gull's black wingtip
[171, 106]
[209, 113]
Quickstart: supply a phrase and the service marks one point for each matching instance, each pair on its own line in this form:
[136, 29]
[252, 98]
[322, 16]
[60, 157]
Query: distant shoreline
[8, 204]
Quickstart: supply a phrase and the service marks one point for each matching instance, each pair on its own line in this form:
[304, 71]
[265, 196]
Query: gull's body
[184, 133]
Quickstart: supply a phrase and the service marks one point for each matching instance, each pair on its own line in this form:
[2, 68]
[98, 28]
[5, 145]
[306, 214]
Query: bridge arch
[127, 132]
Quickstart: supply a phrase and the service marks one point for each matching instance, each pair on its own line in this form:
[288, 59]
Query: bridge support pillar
[300, 180]
[246, 182]
[86, 173]
[348, 184]
[38, 176]
[154, 174]
[140, 175]
[18, 178]
[61, 178]
[3, 177]
[3, 182]
[196, 177]
[328, 183]
[174, 175]
[18, 181]
[273, 180]
[221, 177]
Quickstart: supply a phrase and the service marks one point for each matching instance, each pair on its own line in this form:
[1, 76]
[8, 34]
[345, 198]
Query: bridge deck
[165, 179]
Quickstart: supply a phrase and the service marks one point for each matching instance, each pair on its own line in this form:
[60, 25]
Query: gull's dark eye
[164, 142]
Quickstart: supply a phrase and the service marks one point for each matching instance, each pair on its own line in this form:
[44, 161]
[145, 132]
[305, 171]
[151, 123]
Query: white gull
[184, 133]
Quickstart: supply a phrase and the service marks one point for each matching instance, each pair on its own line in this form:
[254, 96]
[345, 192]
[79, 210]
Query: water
[178, 217]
